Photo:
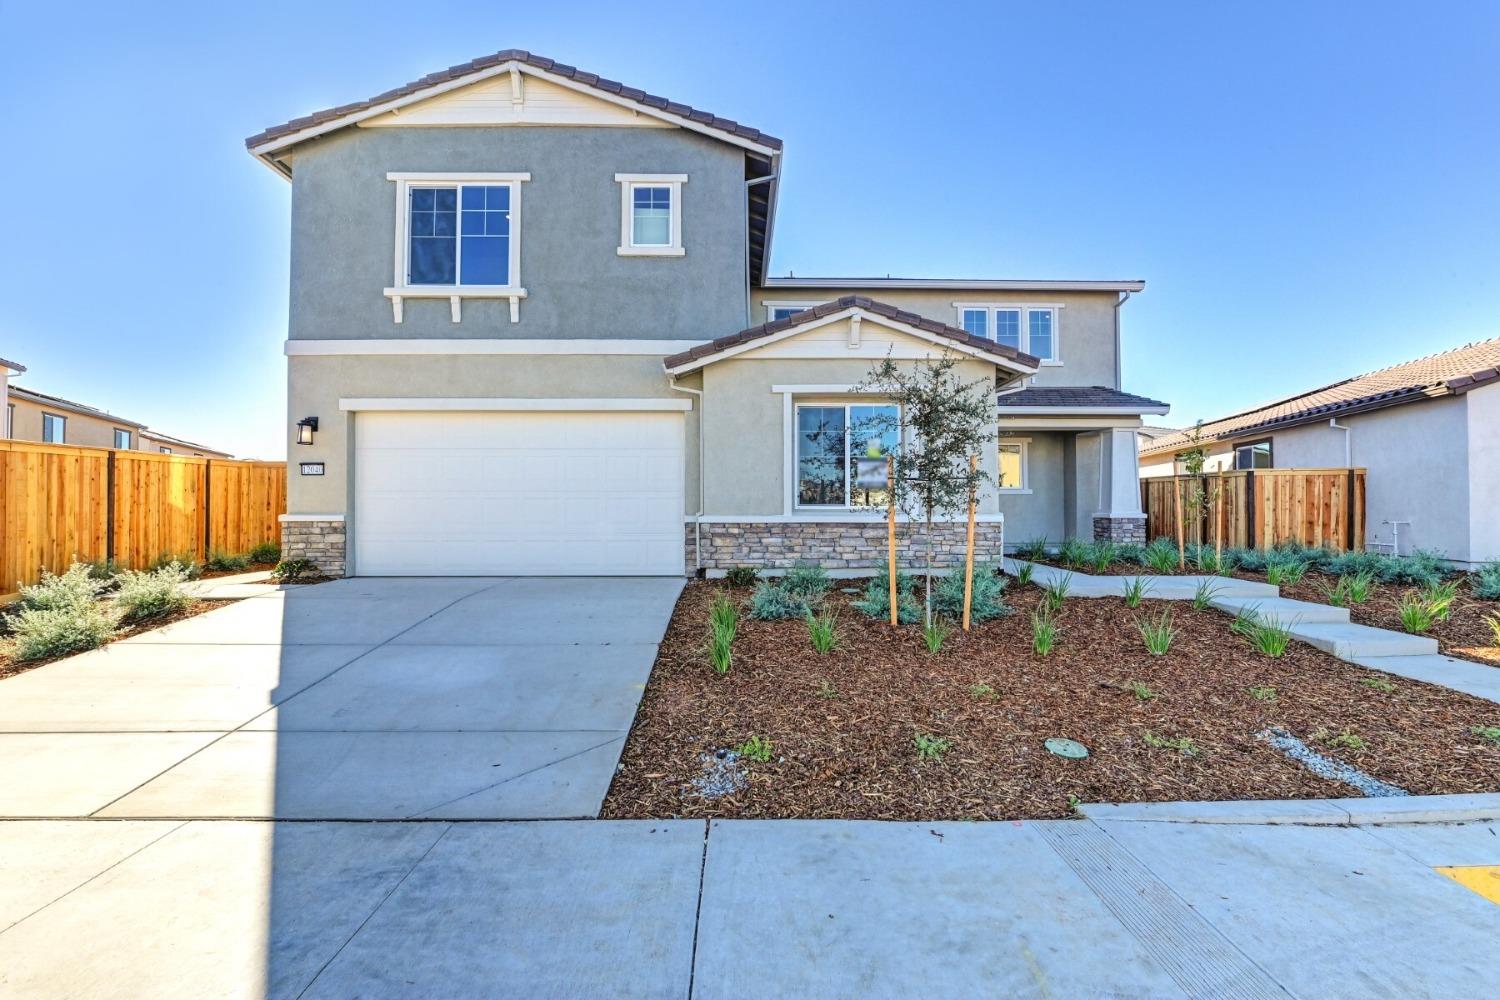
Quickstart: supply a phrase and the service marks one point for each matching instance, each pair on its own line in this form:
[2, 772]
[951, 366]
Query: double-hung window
[651, 214]
[841, 453]
[1031, 329]
[54, 428]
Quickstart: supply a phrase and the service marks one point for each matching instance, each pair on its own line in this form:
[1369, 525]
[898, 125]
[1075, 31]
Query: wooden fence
[61, 502]
[1257, 508]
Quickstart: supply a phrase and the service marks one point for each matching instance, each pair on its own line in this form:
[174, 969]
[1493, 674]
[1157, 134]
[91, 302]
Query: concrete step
[1283, 611]
[1349, 642]
[1476, 679]
[1162, 588]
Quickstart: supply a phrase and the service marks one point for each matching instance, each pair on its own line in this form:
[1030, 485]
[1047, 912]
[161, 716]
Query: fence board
[1262, 507]
[64, 502]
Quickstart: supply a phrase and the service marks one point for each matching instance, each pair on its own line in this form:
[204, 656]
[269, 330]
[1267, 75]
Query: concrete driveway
[356, 699]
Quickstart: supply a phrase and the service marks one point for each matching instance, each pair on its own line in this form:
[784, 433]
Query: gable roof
[12, 366]
[1078, 398]
[705, 353]
[1445, 374]
[67, 405]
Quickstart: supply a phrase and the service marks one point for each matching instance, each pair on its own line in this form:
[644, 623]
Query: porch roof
[1066, 400]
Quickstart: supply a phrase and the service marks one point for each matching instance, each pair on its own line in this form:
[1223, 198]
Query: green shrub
[1269, 638]
[1249, 560]
[1440, 598]
[807, 581]
[1285, 571]
[934, 635]
[1034, 550]
[930, 747]
[1074, 553]
[756, 748]
[104, 569]
[741, 576]
[1485, 582]
[773, 600]
[221, 562]
[40, 633]
[1181, 744]
[985, 603]
[822, 629]
[1135, 589]
[1160, 555]
[1141, 690]
[1417, 616]
[1493, 621]
[292, 570]
[75, 587]
[1263, 692]
[1043, 630]
[1204, 594]
[1419, 568]
[1103, 555]
[723, 617]
[154, 592]
[1491, 733]
[265, 554]
[192, 567]
[1057, 591]
[1025, 573]
[1129, 552]
[1158, 633]
[875, 602]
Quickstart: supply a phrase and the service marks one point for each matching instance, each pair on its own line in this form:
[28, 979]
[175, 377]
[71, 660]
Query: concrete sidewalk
[752, 908]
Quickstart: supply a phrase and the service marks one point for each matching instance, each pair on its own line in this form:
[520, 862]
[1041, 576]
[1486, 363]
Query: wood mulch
[842, 725]
[10, 666]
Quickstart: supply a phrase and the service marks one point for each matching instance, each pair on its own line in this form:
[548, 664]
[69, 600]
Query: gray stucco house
[608, 381]
[1427, 432]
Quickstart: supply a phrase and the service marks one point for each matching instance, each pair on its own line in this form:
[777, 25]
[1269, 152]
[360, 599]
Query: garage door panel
[518, 493]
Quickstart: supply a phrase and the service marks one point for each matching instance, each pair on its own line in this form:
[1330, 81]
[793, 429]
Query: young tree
[942, 421]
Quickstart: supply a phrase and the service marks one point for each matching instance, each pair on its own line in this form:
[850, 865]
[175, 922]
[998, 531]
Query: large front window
[460, 235]
[841, 453]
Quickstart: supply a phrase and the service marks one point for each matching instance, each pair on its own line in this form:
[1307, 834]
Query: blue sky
[1310, 191]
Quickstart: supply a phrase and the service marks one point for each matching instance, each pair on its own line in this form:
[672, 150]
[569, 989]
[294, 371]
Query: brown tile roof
[47, 399]
[530, 59]
[1448, 373]
[1080, 396]
[12, 366]
[890, 312]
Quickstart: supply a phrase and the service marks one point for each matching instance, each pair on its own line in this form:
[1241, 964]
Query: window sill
[1013, 493]
[1052, 364]
[651, 251]
[455, 294]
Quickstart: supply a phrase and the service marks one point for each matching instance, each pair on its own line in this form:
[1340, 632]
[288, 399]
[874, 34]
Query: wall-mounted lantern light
[306, 427]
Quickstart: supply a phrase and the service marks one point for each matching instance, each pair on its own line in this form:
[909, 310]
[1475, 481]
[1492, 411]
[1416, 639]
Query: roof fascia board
[75, 408]
[998, 285]
[1092, 411]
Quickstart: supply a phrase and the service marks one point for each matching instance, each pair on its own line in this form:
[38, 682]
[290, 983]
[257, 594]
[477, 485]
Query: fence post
[109, 507]
[208, 493]
[1250, 509]
[1349, 510]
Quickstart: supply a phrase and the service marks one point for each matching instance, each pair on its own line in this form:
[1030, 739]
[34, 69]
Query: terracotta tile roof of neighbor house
[1445, 374]
[1079, 397]
[884, 309]
[57, 402]
[542, 63]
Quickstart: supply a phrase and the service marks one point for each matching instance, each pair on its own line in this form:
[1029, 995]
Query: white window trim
[1025, 308]
[846, 507]
[61, 420]
[400, 290]
[129, 438]
[799, 306]
[1025, 488]
[628, 183]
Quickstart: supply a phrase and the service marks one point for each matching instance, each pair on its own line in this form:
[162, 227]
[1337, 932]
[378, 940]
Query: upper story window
[1031, 329]
[165, 450]
[122, 438]
[54, 428]
[651, 214]
[457, 236]
[781, 310]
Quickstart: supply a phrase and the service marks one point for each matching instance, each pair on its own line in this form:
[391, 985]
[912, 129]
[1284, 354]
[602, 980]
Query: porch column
[1120, 518]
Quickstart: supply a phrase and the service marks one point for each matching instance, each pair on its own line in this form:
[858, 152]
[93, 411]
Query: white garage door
[501, 494]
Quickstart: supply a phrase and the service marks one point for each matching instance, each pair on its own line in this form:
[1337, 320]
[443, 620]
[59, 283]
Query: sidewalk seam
[698, 910]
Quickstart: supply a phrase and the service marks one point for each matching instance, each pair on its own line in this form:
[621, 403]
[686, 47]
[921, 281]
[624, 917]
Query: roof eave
[977, 284]
[1084, 411]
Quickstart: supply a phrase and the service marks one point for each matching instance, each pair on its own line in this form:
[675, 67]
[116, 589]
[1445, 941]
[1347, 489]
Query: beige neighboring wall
[1085, 323]
[81, 428]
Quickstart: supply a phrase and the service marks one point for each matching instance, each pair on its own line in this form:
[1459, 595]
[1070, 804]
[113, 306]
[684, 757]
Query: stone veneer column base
[836, 544]
[1129, 528]
[319, 542]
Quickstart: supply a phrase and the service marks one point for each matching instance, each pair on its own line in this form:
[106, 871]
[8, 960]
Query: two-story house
[532, 332]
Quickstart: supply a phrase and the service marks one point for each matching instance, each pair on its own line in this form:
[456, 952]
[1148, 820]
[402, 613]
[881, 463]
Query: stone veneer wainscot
[835, 544]
[1130, 530]
[320, 542]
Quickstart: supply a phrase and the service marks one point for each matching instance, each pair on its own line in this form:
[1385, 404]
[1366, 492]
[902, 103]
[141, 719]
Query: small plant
[1057, 591]
[1351, 589]
[1486, 581]
[1158, 634]
[1379, 684]
[1142, 690]
[827, 691]
[1345, 740]
[875, 602]
[774, 600]
[1285, 572]
[103, 570]
[1043, 630]
[931, 747]
[39, 633]
[1417, 616]
[191, 566]
[1135, 590]
[74, 587]
[986, 601]
[724, 617]
[1024, 574]
[1246, 621]
[1491, 733]
[1160, 555]
[265, 554]
[741, 576]
[808, 581]
[152, 593]
[1439, 598]
[1263, 692]
[1493, 621]
[1204, 594]
[292, 570]
[755, 748]
[1270, 638]
[720, 653]
[1074, 553]
[1074, 803]
[822, 629]
[226, 562]
[1181, 744]
[934, 635]
[983, 691]
[1103, 555]
[1034, 550]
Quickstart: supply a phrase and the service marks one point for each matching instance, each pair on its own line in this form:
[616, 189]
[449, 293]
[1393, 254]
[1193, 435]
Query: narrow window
[976, 322]
[433, 257]
[774, 313]
[651, 216]
[1039, 334]
[54, 428]
[122, 438]
[1008, 327]
[485, 248]
[165, 450]
[1012, 466]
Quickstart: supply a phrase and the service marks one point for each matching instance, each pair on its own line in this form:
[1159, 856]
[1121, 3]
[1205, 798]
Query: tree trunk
[927, 594]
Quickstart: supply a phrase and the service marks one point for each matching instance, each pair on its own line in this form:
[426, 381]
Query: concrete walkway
[356, 699]
[1114, 907]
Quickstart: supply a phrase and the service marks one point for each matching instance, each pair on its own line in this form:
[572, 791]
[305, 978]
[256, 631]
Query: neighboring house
[1427, 431]
[608, 382]
[37, 416]
[7, 369]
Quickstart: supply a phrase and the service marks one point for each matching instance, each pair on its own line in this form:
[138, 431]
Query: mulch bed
[9, 666]
[842, 725]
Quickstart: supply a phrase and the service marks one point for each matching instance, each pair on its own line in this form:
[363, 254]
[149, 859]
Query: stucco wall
[80, 429]
[1086, 332]
[343, 230]
[1483, 415]
[1040, 513]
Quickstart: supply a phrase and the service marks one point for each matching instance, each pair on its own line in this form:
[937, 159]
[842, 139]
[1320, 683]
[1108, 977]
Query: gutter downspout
[1124, 296]
[697, 517]
[749, 318]
[1348, 440]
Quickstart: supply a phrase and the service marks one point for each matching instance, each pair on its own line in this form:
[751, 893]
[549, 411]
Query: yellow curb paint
[1483, 879]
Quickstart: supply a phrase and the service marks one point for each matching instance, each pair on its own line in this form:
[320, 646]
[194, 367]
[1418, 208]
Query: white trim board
[310, 517]
[842, 517]
[501, 405]
[1080, 411]
[320, 348]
